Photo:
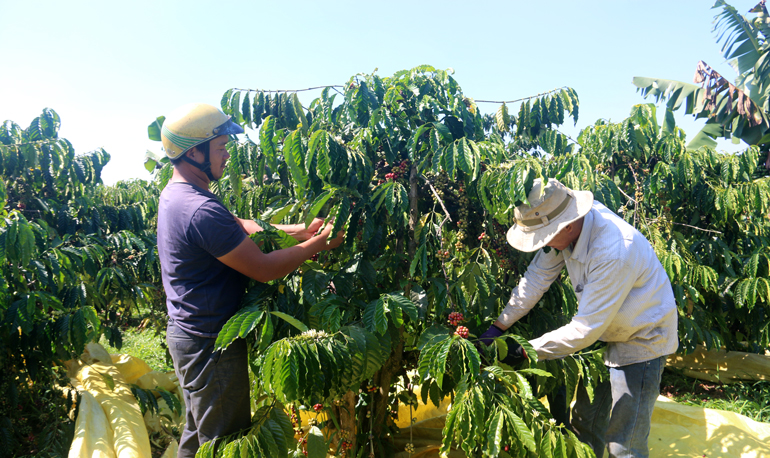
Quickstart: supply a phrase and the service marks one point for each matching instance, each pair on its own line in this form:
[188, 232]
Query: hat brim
[527, 239]
[228, 128]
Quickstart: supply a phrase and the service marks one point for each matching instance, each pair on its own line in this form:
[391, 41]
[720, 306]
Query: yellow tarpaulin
[129, 435]
[102, 429]
[93, 434]
[720, 366]
[677, 430]
[110, 423]
[686, 431]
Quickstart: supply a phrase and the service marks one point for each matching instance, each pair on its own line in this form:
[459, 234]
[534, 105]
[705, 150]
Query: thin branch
[435, 194]
[522, 99]
[678, 224]
[568, 137]
[287, 90]
[627, 196]
[698, 228]
[637, 186]
[441, 237]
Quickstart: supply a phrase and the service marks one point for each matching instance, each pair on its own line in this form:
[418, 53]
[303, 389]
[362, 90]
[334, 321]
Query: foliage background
[424, 186]
[77, 261]
[423, 183]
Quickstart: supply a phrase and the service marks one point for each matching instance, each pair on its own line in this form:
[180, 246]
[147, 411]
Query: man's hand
[486, 339]
[516, 354]
[335, 242]
[490, 335]
[303, 233]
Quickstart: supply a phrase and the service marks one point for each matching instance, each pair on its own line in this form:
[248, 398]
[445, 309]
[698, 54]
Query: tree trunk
[384, 377]
[346, 412]
[414, 216]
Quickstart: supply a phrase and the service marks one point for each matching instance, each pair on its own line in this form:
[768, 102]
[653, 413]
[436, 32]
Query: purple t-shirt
[194, 229]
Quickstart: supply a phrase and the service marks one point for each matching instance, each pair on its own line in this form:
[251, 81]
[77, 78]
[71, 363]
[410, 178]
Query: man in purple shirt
[206, 259]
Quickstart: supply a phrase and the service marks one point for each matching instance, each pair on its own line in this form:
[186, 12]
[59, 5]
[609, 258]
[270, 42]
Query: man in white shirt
[625, 299]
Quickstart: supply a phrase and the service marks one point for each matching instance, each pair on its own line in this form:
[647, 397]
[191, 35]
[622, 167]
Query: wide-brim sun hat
[551, 208]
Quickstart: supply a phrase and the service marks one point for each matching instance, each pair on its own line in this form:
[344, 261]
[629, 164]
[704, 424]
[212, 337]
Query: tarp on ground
[685, 431]
[677, 430]
[110, 423]
[126, 424]
[720, 366]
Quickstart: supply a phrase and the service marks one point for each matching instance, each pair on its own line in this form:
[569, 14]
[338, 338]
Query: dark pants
[215, 387]
[619, 418]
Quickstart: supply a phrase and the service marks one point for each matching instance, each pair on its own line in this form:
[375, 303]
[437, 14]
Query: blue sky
[109, 68]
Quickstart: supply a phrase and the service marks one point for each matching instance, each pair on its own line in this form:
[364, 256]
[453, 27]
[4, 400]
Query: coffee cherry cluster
[663, 202]
[439, 187]
[462, 331]
[396, 172]
[318, 407]
[443, 254]
[466, 222]
[456, 318]
[483, 237]
[303, 444]
[409, 448]
[294, 417]
[500, 246]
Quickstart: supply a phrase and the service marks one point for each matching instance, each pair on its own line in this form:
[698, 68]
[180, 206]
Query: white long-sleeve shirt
[624, 295]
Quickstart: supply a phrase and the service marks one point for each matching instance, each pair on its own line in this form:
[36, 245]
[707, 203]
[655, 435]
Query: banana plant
[736, 110]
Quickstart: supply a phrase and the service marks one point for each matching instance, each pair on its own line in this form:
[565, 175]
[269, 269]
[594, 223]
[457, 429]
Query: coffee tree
[76, 259]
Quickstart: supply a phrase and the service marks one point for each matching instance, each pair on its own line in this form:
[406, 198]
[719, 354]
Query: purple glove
[516, 354]
[490, 335]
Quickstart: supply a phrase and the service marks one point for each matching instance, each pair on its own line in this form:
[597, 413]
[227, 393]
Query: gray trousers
[215, 387]
[619, 418]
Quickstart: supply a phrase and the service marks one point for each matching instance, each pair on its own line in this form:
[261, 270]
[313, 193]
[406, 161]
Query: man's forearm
[294, 230]
[291, 229]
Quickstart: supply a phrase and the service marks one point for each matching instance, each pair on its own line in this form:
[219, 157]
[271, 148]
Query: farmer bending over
[625, 299]
[206, 257]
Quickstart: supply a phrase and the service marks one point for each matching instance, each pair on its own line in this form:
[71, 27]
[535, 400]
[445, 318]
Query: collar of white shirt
[580, 252]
